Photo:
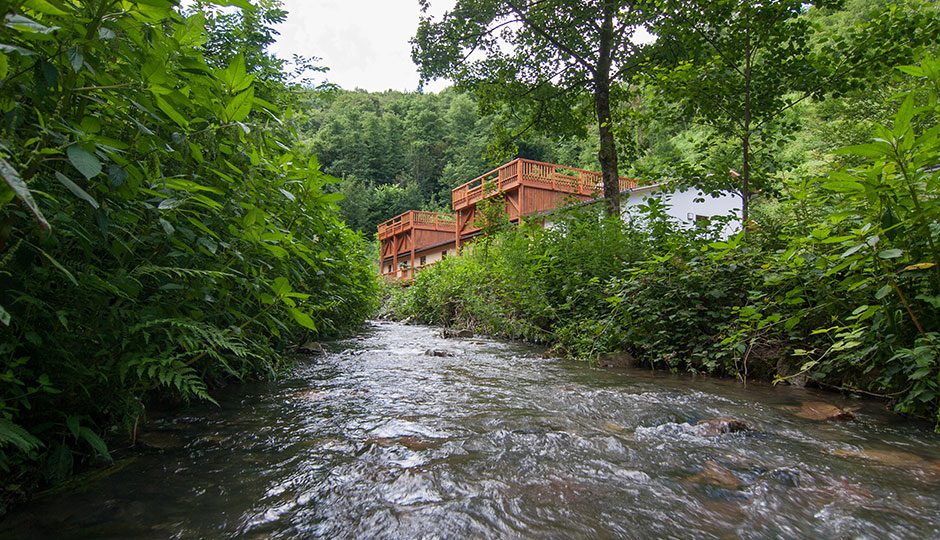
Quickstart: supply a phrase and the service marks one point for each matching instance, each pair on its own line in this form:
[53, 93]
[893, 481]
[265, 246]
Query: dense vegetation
[177, 211]
[835, 280]
[160, 229]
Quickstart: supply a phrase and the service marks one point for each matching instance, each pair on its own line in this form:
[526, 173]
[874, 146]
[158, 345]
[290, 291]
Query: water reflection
[380, 439]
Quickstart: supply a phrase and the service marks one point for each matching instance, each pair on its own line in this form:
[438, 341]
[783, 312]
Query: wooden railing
[532, 173]
[417, 219]
[407, 273]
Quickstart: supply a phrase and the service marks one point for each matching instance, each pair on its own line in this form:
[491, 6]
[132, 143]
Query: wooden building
[527, 188]
[413, 240]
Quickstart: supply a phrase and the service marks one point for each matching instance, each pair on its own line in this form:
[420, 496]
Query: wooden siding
[404, 235]
[528, 187]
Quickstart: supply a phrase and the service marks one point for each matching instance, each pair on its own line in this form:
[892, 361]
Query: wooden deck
[416, 219]
[404, 234]
[529, 187]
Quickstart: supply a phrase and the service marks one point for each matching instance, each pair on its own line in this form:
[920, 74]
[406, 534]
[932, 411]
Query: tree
[741, 65]
[539, 60]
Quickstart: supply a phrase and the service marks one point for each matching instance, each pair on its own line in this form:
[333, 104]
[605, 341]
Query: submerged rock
[821, 411]
[410, 442]
[438, 352]
[892, 458]
[621, 360]
[714, 474]
[459, 333]
[720, 425]
[160, 440]
[312, 348]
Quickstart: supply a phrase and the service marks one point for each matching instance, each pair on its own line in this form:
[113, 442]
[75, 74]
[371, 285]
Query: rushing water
[378, 439]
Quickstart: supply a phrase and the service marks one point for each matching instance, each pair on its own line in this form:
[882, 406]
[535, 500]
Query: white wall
[682, 204]
[435, 254]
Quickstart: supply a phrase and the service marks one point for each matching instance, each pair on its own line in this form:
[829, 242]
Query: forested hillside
[398, 151]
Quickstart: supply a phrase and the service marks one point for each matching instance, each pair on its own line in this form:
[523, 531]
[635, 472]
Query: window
[389, 269]
[424, 260]
[444, 254]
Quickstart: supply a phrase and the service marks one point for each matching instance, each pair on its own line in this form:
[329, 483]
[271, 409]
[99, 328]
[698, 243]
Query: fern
[170, 372]
[151, 270]
[198, 339]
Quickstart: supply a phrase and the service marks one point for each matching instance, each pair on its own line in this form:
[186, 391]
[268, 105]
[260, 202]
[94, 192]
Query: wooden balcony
[410, 232]
[529, 187]
[416, 219]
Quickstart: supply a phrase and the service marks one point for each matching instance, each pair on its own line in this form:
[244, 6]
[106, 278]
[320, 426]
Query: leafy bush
[158, 234]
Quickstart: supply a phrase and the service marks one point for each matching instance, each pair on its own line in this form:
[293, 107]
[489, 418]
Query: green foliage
[557, 65]
[157, 232]
[840, 283]
[740, 67]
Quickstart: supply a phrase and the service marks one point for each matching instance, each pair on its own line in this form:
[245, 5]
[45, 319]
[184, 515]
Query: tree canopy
[551, 65]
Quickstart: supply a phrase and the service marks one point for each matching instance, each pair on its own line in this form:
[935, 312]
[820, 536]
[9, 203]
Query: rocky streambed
[401, 432]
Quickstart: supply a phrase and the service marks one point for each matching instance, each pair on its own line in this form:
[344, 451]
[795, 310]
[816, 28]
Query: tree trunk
[608, 148]
[746, 138]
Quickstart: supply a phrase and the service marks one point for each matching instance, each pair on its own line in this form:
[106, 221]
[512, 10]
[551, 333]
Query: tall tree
[540, 61]
[741, 65]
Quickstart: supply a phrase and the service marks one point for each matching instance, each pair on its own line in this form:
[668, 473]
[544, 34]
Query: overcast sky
[363, 42]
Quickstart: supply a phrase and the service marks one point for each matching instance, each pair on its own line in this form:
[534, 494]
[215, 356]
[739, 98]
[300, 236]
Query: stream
[380, 439]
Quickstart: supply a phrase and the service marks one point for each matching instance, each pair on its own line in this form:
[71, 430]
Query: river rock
[160, 440]
[714, 474]
[438, 352]
[720, 425]
[892, 458]
[410, 442]
[312, 348]
[821, 411]
[458, 333]
[621, 360]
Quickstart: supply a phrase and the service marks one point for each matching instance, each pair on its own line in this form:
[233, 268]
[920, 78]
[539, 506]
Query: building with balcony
[413, 240]
[523, 188]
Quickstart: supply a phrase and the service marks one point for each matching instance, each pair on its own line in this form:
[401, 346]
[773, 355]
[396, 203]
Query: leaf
[281, 286]
[843, 187]
[74, 423]
[59, 463]
[332, 197]
[240, 106]
[76, 190]
[244, 4]
[117, 174]
[42, 6]
[4, 316]
[76, 59]
[302, 318]
[915, 71]
[13, 48]
[170, 111]
[87, 163]
[4, 66]
[25, 24]
[95, 441]
[12, 178]
[890, 253]
[169, 204]
[882, 292]
[11, 433]
[61, 268]
[919, 266]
